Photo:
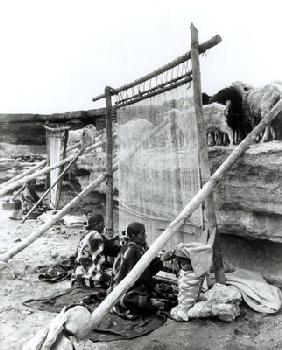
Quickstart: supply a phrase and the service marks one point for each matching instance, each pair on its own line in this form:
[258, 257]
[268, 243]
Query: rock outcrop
[248, 200]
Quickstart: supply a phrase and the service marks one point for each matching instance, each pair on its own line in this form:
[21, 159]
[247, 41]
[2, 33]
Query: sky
[58, 54]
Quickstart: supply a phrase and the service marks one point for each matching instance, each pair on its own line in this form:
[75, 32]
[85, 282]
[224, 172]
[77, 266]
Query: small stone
[26, 312]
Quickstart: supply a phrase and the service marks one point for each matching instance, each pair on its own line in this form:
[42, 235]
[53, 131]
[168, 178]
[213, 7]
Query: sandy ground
[19, 323]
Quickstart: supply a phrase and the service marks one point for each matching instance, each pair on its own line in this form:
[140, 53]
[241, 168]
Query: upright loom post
[205, 171]
[109, 163]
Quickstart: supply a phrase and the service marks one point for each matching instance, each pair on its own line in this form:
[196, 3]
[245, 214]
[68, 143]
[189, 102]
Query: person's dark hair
[134, 229]
[31, 185]
[94, 220]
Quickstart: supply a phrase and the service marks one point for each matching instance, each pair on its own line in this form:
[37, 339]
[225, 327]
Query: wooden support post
[109, 163]
[205, 172]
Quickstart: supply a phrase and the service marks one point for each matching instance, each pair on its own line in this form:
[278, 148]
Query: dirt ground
[19, 323]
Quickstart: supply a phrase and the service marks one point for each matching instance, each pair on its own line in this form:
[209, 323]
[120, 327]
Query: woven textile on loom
[163, 174]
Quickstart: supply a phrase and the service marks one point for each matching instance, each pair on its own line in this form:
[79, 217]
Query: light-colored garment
[189, 286]
[190, 282]
[199, 254]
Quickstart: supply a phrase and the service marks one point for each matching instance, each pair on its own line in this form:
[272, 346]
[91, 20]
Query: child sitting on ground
[138, 299]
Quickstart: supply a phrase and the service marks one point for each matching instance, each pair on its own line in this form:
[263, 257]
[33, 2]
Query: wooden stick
[45, 170]
[54, 184]
[109, 164]
[25, 173]
[203, 154]
[181, 59]
[106, 305]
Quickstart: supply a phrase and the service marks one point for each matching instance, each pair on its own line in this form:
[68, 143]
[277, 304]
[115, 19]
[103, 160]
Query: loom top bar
[181, 59]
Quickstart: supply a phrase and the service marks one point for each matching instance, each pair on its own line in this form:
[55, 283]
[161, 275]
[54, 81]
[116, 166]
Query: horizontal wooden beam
[152, 93]
[181, 59]
[158, 88]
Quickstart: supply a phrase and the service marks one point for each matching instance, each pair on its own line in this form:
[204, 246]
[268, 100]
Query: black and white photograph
[140, 175]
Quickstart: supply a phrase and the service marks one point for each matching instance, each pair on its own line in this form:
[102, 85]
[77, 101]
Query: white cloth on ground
[256, 292]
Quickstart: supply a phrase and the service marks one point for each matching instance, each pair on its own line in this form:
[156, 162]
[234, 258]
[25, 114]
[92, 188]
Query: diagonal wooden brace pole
[207, 189]
[36, 167]
[25, 173]
[14, 184]
[109, 164]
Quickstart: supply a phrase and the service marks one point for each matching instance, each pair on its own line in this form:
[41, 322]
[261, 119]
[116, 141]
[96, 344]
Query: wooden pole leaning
[11, 186]
[209, 208]
[109, 163]
[101, 311]
[25, 173]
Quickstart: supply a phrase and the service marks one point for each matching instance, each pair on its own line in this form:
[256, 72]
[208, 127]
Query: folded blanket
[256, 292]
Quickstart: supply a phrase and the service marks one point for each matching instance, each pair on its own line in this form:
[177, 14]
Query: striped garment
[91, 261]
